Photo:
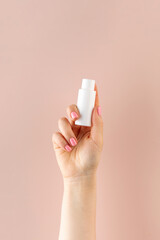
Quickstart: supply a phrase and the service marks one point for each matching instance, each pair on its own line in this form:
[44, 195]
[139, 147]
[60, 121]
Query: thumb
[97, 123]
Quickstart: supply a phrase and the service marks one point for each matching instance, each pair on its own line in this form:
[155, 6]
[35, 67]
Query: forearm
[78, 215]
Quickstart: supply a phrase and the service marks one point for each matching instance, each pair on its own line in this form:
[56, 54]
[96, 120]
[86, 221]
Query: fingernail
[99, 111]
[68, 148]
[74, 115]
[73, 141]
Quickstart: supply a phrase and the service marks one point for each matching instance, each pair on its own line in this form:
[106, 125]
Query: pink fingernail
[73, 141]
[74, 115]
[68, 148]
[99, 111]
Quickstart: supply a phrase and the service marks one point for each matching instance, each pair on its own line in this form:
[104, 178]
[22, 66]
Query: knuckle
[68, 109]
[71, 107]
[62, 143]
[61, 120]
[54, 135]
[74, 106]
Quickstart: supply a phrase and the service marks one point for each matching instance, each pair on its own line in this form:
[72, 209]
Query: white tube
[85, 102]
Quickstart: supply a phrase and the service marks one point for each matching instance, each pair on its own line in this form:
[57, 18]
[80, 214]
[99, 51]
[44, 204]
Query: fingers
[73, 114]
[66, 138]
[60, 141]
[97, 96]
[66, 130]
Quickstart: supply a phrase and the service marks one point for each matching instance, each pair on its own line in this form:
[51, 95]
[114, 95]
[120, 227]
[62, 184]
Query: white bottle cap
[88, 84]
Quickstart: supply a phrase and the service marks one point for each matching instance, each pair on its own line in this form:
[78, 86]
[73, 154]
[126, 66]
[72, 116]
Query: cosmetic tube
[85, 102]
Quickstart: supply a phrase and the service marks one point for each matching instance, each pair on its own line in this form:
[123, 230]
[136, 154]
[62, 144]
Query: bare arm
[78, 217]
[78, 163]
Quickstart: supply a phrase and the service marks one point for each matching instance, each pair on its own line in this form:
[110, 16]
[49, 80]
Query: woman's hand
[78, 148]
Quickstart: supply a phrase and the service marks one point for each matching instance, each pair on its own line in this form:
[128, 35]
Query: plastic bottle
[85, 102]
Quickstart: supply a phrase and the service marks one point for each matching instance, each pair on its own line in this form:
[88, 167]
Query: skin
[78, 167]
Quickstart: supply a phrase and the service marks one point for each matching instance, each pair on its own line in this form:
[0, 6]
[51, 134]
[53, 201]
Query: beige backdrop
[46, 48]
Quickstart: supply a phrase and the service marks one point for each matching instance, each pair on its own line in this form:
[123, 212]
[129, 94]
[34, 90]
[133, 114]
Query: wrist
[84, 181]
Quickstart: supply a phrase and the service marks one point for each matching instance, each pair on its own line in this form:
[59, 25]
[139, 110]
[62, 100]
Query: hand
[78, 148]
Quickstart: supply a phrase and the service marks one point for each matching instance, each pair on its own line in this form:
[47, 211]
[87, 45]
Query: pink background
[46, 48]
